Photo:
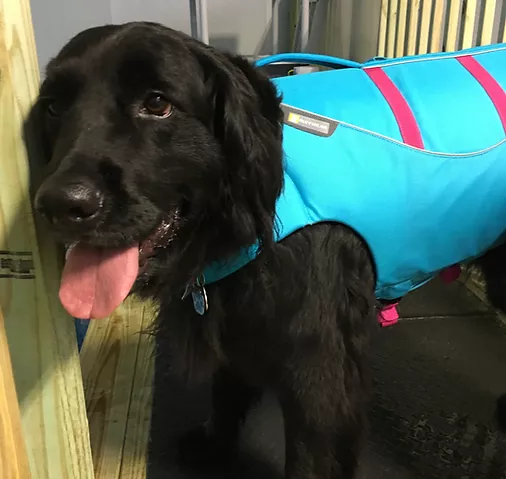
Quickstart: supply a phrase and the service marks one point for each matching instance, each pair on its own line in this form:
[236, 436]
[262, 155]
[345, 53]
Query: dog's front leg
[324, 416]
[216, 441]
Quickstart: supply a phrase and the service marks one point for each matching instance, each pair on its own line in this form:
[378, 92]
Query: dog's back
[410, 153]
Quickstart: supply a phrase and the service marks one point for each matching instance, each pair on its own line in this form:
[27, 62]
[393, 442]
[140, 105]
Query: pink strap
[403, 114]
[388, 315]
[489, 84]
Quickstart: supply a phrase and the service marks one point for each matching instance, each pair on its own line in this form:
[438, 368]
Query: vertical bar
[198, 20]
[13, 458]
[204, 23]
[42, 338]
[438, 26]
[414, 16]
[194, 24]
[275, 26]
[423, 44]
[503, 39]
[382, 34]
[115, 381]
[491, 16]
[471, 16]
[392, 27]
[401, 28]
[454, 20]
[304, 25]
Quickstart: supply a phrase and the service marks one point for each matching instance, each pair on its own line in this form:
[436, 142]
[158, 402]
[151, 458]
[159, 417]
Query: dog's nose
[76, 203]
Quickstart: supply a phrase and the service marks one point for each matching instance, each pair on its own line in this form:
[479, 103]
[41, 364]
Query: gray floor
[437, 376]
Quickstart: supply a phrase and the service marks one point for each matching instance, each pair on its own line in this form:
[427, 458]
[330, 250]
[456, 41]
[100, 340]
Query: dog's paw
[198, 449]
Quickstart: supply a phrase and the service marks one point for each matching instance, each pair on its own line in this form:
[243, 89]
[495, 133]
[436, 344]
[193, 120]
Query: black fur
[298, 319]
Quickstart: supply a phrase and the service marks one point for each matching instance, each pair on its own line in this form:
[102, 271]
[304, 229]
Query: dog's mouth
[96, 280]
[160, 238]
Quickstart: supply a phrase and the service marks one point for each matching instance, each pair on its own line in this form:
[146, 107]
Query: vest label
[309, 122]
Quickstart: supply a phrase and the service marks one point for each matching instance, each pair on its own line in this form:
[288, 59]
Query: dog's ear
[248, 125]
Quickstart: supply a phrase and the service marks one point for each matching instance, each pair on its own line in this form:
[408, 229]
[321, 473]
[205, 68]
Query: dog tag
[199, 295]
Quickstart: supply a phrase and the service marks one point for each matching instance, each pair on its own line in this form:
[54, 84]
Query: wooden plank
[490, 22]
[438, 25]
[400, 47]
[41, 336]
[414, 16]
[471, 17]
[423, 43]
[454, 20]
[13, 458]
[393, 10]
[134, 462]
[118, 372]
[382, 34]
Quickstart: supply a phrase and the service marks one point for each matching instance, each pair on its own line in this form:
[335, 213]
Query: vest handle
[311, 58]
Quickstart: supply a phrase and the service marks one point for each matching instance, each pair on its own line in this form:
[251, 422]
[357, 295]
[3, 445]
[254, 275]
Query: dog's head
[163, 155]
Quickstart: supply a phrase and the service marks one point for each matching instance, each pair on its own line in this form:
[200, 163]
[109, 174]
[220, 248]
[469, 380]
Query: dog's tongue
[96, 280]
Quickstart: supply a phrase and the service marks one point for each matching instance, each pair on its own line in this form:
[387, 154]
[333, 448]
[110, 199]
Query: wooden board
[400, 47]
[40, 335]
[454, 21]
[117, 363]
[414, 17]
[425, 30]
[393, 11]
[438, 25]
[139, 418]
[490, 22]
[471, 17]
[13, 458]
[383, 29]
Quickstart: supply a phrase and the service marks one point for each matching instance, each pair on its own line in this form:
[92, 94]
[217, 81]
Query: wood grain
[471, 17]
[414, 16]
[454, 21]
[40, 335]
[393, 11]
[438, 25]
[491, 18]
[13, 457]
[383, 29]
[400, 47]
[117, 365]
[425, 27]
[139, 418]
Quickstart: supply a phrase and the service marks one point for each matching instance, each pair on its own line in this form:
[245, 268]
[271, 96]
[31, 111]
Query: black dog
[167, 153]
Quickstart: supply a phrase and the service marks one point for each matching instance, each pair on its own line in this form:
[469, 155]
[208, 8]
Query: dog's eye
[157, 105]
[55, 107]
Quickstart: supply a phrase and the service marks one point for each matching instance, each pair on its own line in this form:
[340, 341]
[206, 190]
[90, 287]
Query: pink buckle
[388, 315]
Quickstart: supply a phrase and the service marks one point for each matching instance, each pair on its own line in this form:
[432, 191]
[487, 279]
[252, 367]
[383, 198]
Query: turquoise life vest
[410, 153]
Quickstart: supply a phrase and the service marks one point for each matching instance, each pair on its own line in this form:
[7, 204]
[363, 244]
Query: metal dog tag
[199, 295]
